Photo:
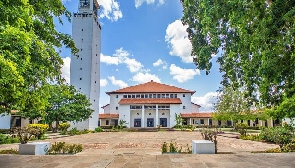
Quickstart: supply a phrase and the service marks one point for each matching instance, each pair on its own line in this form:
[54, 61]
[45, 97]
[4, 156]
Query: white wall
[186, 101]
[174, 109]
[195, 108]
[5, 121]
[125, 114]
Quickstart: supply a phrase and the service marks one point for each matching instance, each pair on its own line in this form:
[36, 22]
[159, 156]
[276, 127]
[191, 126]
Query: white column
[157, 116]
[142, 116]
[190, 121]
[208, 121]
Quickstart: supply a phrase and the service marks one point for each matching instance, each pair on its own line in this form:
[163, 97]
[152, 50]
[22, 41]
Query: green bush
[278, 135]
[98, 129]
[242, 128]
[8, 139]
[42, 129]
[63, 148]
[252, 137]
[63, 127]
[75, 131]
[9, 151]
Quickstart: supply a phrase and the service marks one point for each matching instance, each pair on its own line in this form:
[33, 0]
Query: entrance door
[150, 122]
[137, 122]
[163, 122]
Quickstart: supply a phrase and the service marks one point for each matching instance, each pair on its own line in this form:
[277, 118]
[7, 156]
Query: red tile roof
[196, 115]
[105, 116]
[151, 87]
[151, 101]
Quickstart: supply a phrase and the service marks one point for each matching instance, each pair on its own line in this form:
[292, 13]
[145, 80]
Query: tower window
[96, 54]
[82, 29]
[81, 58]
[80, 78]
[183, 107]
[95, 82]
[117, 108]
[116, 96]
[81, 49]
[80, 88]
[94, 100]
[80, 68]
[183, 95]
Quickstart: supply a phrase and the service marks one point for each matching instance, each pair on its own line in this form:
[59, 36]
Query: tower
[85, 69]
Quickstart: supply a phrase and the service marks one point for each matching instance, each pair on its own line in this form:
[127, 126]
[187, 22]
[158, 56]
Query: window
[137, 96]
[118, 96]
[124, 96]
[80, 68]
[183, 95]
[201, 121]
[163, 95]
[94, 100]
[80, 88]
[146, 96]
[117, 108]
[142, 96]
[175, 96]
[80, 78]
[107, 122]
[133, 96]
[171, 95]
[81, 49]
[150, 95]
[183, 107]
[129, 96]
[159, 96]
[94, 81]
[95, 54]
[154, 95]
[82, 29]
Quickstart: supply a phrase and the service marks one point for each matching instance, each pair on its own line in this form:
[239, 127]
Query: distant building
[148, 105]
[85, 68]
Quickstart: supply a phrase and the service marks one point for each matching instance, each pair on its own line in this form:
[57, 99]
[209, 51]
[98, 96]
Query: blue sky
[144, 40]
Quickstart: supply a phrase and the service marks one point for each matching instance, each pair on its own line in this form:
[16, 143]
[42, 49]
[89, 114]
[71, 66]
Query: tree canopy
[66, 104]
[28, 56]
[255, 40]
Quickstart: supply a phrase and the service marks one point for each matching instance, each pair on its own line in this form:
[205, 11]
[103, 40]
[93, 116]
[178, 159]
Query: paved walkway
[143, 149]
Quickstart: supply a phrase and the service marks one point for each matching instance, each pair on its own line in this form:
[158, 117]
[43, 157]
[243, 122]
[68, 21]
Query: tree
[232, 105]
[28, 56]
[66, 104]
[255, 40]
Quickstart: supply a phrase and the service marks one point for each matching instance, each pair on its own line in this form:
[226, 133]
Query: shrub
[278, 135]
[63, 127]
[25, 134]
[98, 129]
[252, 137]
[9, 151]
[242, 128]
[7, 139]
[4, 131]
[63, 148]
[86, 131]
[42, 129]
[75, 131]
[173, 147]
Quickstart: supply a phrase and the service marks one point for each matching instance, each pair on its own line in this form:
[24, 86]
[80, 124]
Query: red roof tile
[151, 87]
[196, 115]
[151, 101]
[105, 116]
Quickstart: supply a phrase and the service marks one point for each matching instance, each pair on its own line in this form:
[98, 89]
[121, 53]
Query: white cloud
[122, 56]
[110, 9]
[145, 77]
[109, 59]
[119, 83]
[65, 70]
[133, 65]
[103, 82]
[207, 101]
[160, 62]
[178, 41]
[183, 75]
[138, 3]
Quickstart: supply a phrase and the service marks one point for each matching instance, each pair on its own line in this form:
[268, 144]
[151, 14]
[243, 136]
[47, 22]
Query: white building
[148, 105]
[85, 69]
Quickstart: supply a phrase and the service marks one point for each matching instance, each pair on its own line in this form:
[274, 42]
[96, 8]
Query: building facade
[85, 67]
[148, 105]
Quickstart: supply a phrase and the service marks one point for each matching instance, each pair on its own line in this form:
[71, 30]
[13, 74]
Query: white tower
[85, 69]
